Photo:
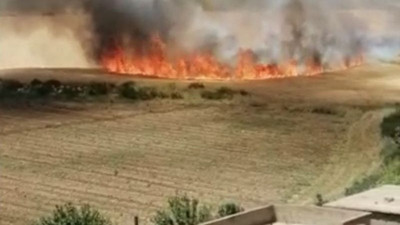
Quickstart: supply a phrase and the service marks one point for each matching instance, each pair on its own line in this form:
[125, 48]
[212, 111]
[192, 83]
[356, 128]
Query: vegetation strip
[180, 210]
[36, 89]
[389, 170]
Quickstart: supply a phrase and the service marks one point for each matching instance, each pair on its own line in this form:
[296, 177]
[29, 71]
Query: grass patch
[184, 210]
[56, 90]
[389, 170]
[99, 88]
[324, 111]
[222, 93]
[196, 85]
[131, 90]
[229, 208]
[53, 89]
[9, 88]
[74, 215]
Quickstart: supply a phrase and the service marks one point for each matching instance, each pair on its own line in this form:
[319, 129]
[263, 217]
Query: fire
[205, 66]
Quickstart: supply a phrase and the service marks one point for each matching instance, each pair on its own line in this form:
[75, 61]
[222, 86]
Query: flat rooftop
[385, 199]
[294, 215]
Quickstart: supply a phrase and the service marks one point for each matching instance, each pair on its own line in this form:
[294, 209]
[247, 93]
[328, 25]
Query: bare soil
[293, 138]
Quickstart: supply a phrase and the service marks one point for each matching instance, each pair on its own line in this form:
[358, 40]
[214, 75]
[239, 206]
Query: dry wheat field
[289, 141]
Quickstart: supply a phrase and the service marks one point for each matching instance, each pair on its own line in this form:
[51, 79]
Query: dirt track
[126, 159]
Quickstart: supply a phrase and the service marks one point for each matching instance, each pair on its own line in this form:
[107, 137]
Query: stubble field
[290, 140]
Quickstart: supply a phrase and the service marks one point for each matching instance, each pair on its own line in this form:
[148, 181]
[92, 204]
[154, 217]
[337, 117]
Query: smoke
[326, 32]
[44, 34]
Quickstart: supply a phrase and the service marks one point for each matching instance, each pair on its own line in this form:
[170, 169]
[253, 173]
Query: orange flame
[206, 66]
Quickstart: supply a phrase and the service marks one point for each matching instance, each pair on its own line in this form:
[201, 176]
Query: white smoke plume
[43, 34]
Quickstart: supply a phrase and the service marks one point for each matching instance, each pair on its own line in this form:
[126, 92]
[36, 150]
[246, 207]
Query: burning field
[259, 140]
[286, 142]
[276, 41]
[195, 40]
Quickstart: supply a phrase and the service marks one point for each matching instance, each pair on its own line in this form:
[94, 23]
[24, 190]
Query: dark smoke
[325, 31]
[134, 22]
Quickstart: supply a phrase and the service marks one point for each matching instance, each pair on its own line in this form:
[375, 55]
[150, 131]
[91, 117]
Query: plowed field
[292, 139]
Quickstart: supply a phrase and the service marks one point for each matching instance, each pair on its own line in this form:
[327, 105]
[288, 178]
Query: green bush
[36, 82]
[319, 200]
[182, 210]
[196, 85]
[69, 214]
[128, 90]
[390, 123]
[99, 88]
[324, 110]
[9, 87]
[226, 92]
[147, 93]
[216, 95]
[364, 184]
[131, 91]
[244, 93]
[391, 173]
[228, 209]
[219, 94]
[209, 95]
[390, 152]
[38, 89]
[71, 91]
[176, 95]
[53, 83]
[389, 170]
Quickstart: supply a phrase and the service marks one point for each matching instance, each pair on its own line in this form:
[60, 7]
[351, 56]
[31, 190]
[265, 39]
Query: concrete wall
[384, 219]
[318, 215]
[259, 216]
[285, 214]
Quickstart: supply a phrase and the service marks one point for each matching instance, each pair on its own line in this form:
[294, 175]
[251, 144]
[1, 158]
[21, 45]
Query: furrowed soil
[290, 140]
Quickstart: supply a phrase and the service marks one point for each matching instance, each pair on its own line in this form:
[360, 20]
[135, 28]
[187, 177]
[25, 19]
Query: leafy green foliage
[389, 170]
[99, 88]
[10, 88]
[39, 89]
[319, 200]
[131, 91]
[54, 89]
[390, 123]
[128, 90]
[324, 110]
[244, 93]
[229, 208]
[196, 85]
[222, 93]
[147, 93]
[182, 210]
[55, 84]
[176, 95]
[391, 173]
[71, 91]
[69, 214]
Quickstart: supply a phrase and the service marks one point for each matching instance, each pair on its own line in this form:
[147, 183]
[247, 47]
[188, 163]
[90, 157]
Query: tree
[228, 209]
[182, 210]
[69, 214]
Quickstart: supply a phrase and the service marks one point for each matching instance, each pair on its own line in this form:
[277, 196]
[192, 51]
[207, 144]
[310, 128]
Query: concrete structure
[383, 203]
[285, 214]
